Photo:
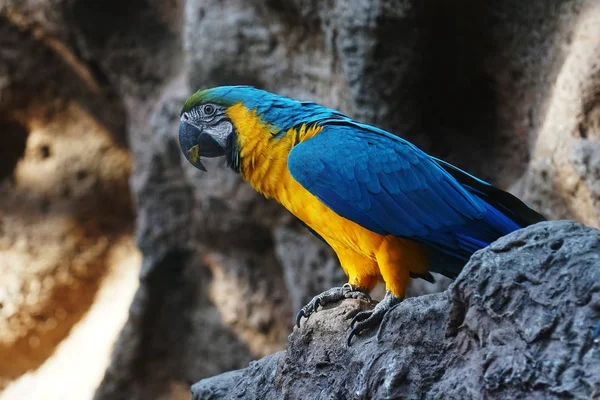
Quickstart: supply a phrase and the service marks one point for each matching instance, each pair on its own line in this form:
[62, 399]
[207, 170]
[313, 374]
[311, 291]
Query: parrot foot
[366, 320]
[330, 296]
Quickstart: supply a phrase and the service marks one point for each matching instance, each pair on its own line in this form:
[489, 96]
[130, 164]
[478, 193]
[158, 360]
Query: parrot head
[211, 120]
[205, 129]
[208, 127]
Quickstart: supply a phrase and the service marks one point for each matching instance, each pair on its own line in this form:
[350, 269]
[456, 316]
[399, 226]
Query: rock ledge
[517, 323]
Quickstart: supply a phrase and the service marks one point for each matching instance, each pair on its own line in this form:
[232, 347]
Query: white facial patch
[220, 132]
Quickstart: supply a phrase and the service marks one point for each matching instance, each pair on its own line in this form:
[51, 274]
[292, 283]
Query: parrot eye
[208, 110]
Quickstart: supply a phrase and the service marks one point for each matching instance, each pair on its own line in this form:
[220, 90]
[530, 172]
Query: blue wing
[389, 186]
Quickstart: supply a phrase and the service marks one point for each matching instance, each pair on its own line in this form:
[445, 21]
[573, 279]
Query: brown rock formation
[64, 196]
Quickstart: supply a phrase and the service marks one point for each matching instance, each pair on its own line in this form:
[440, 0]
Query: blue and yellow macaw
[388, 210]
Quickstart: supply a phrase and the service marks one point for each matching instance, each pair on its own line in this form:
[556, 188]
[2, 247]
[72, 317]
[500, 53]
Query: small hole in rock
[45, 151]
[44, 205]
[557, 244]
[65, 191]
[81, 174]
[483, 285]
[13, 140]
[582, 132]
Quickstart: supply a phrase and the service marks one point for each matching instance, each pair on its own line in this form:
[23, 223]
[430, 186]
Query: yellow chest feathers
[264, 166]
[264, 155]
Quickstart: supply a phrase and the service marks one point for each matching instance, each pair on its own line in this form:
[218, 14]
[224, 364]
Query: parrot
[389, 211]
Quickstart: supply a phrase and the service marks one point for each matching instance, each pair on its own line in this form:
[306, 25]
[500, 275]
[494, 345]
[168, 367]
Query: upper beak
[196, 143]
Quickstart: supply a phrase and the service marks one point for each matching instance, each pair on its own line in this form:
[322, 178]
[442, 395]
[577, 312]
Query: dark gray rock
[199, 289]
[261, 373]
[310, 267]
[516, 324]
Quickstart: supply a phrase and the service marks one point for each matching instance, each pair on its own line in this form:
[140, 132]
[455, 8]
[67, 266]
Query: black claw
[306, 311]
[352, 334]
[330, 296]
[361, 316]
[367, 320]
[299, 317]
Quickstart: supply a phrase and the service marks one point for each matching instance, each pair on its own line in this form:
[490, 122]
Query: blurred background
[125, 273]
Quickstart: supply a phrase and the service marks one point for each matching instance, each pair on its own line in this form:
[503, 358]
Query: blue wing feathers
[503, 201]
[395, 216]
[389, 186]
[373, 185]
[361, 171]
[342, 207]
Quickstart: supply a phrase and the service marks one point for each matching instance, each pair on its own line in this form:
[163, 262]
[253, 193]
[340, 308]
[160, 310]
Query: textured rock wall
[507, 90]
[65, 204]
[517, 324]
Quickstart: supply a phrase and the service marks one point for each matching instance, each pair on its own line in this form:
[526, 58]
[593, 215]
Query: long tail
[502, 201]
[504, 213]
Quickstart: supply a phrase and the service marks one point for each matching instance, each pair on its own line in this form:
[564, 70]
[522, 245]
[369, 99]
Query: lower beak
[196, 143]
[194, 158]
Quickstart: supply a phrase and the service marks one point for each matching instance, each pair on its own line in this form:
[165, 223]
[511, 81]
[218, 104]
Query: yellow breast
[364, 255]
[264, 166]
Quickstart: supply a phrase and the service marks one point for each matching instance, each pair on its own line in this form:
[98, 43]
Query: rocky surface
[65, 204]
[76, 368]
[506, 90]
[516, 324]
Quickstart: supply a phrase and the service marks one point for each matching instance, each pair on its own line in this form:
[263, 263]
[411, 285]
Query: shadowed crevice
[13, 140]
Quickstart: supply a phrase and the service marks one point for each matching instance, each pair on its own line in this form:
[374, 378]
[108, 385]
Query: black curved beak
[195, 144]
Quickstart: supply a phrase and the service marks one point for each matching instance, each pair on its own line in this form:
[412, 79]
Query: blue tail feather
[504, 213]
